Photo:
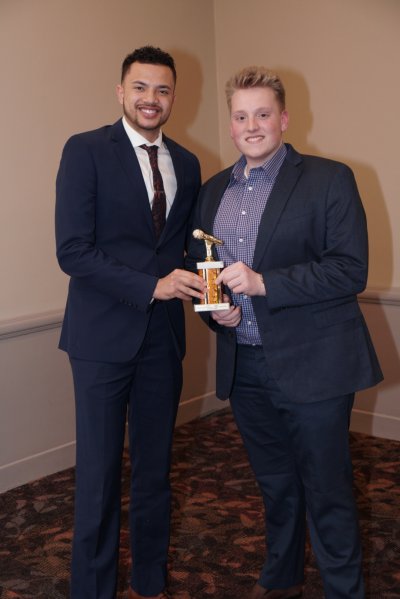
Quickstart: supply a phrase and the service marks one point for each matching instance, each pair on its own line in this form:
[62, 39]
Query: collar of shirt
[271, 167]
[164, 164]
[136, 139]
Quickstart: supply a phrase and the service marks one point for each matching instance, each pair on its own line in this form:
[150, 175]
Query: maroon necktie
[159, 205]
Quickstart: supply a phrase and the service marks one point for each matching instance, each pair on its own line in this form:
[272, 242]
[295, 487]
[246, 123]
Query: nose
[151, 96]
[252, 124]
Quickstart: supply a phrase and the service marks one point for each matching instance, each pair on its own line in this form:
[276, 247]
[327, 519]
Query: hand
[242, 279]
[227, 318]
[182, 284]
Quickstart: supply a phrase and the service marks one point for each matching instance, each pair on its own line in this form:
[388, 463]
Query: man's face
[147, 94]
[257, 124]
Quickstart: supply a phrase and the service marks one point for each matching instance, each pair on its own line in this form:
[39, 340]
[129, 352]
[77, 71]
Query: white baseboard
[36, 466]
[59, 458]
[197, 407]
[28, 344]
[375, 424]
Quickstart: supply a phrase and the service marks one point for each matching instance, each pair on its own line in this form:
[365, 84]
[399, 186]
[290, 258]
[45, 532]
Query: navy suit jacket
[312, 250]
[106, 243]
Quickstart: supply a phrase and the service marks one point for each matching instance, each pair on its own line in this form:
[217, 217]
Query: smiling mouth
[254, 139]
[149, 110]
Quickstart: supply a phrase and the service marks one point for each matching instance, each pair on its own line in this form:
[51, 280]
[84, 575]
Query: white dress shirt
[164, 164]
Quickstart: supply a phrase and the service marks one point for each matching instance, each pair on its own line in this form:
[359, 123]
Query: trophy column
[209, 269]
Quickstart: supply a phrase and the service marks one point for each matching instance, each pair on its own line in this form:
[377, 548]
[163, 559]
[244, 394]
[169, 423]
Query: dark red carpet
[217, 524]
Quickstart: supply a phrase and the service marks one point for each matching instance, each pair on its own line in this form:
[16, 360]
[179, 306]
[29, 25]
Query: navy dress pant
[300, 455]
[145, 390]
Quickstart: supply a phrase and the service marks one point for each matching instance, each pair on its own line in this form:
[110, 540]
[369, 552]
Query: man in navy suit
[293, 347]
[124, 323]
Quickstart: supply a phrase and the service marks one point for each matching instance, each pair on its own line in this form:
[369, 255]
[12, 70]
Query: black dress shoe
[259, 592]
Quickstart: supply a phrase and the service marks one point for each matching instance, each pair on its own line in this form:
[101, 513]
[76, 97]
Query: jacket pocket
[337, 314]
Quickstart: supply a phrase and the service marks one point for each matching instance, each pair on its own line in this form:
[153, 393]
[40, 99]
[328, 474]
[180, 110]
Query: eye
[263, 115]
[164, 92]
[240, 118]
[138, 88]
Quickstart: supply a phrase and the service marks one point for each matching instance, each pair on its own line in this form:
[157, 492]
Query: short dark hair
[148, 55]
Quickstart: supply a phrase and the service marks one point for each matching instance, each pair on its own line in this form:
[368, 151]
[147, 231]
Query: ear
[284, 120]
[120, 93]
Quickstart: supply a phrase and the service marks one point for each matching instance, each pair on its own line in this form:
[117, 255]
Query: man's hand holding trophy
[209, 269]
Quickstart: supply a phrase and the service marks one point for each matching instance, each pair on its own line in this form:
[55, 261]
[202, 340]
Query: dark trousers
[301, 460]
[147, 390]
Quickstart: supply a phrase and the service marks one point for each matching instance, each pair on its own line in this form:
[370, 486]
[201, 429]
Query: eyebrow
[246, 111]
[162, 86]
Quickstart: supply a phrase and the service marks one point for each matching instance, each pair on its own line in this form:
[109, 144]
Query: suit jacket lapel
[180, 208]
[130, 164]
[213, 200]
[178, 168]
[284, 184]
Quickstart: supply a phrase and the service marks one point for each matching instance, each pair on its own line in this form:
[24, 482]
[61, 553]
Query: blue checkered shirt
[237, 222]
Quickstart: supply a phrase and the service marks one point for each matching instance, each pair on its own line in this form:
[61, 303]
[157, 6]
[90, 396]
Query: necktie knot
[151, 150]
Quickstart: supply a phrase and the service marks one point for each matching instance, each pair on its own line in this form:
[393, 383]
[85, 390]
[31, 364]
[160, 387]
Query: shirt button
[249, 322]
[241, 239]
[245, 296]
[243, 211]
[250, 188]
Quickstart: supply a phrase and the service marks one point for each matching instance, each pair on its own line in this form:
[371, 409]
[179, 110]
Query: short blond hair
[255, 77]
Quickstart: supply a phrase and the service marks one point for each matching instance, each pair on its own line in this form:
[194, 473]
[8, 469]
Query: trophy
[209, 270]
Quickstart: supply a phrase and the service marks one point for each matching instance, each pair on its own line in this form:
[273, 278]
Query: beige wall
[60, 63]
[339, 63]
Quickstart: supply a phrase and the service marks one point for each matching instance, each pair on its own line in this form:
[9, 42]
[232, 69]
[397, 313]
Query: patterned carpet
[217, 525]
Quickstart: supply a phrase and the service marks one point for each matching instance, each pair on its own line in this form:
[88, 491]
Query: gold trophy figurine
[209, 270]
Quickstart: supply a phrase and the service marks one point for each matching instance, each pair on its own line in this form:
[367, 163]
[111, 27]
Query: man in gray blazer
[293, 347]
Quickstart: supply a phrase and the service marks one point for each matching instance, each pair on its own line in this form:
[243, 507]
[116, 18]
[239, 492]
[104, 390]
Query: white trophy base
[210, 264]
[210, 307]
